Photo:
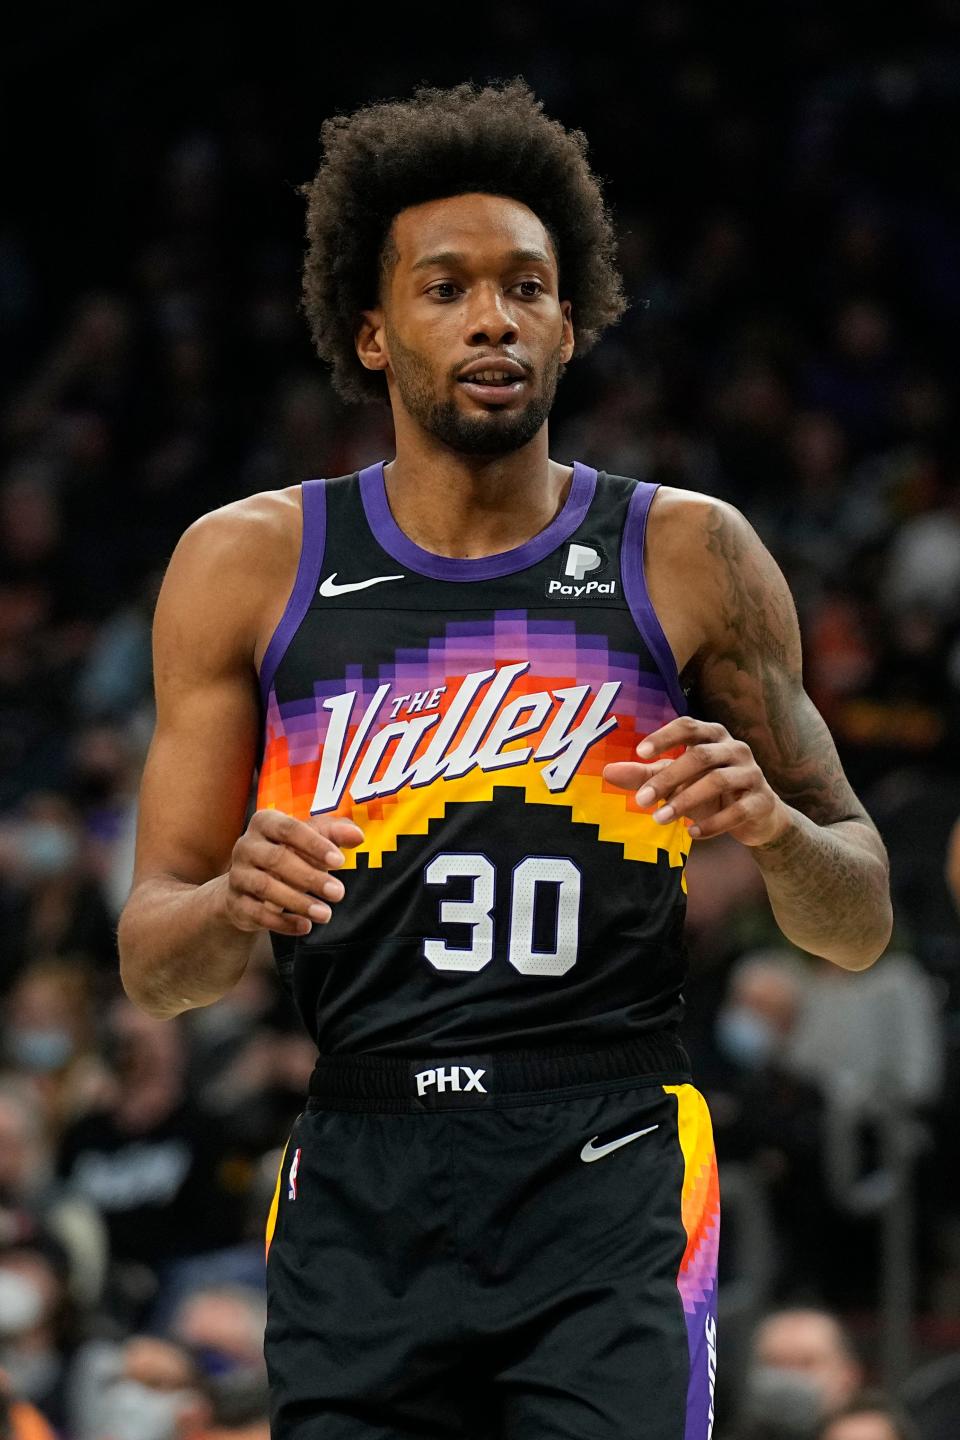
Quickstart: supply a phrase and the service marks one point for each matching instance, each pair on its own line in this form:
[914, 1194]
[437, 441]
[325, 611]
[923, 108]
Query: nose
[489, 320]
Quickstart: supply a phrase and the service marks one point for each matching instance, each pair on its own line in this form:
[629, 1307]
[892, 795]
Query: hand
[279, 868]
[716, 783]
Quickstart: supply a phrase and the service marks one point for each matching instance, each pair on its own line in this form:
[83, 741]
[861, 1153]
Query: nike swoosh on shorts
[596, 1152]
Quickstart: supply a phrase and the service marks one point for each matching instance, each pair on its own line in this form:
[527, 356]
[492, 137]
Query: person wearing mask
[34, 1322]
[779, 1138]
[157, 1393]
[803, 1367]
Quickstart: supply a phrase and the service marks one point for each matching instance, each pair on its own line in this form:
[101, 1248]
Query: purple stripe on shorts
[314, 500]
[702, 1340]
[637, 595]
[486, 567]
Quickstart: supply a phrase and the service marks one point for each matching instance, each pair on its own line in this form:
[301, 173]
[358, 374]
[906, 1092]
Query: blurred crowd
[795, 356]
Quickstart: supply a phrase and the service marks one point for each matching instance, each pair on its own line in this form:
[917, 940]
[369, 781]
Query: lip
[492, 394]
[493, 362]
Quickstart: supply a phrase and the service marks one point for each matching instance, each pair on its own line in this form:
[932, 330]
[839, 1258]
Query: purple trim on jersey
[486, 567]
[637, 595]
[314, 502]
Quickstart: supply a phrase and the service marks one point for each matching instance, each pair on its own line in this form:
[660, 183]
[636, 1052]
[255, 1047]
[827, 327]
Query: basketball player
[492, 698]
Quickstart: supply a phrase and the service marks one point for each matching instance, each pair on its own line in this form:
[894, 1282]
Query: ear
[567, 342]
[371, 340]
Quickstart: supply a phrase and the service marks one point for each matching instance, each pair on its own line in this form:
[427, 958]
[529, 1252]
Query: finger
[346, 833]
[661, 779]
[264, 916]
[696, 761]
[261, 886]
[287, 830]
[339, 829]
[719, 787]
[630, 774]
[745, 807]
[292, 869]
[685, 730]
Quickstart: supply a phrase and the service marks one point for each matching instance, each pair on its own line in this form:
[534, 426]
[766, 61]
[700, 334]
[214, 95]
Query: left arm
[766, 770]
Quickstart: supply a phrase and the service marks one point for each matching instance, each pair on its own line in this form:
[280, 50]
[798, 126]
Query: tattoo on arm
[750, 677]
[827, 877]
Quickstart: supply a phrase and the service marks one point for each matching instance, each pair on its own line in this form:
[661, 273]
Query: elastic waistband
[501, 1078]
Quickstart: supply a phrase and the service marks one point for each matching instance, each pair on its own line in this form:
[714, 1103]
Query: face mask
[131, 1411]
[787, 1399]
[21, 1304]
[37, 1048]
[745, 1037]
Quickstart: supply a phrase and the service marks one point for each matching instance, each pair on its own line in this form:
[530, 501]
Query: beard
[497, 432]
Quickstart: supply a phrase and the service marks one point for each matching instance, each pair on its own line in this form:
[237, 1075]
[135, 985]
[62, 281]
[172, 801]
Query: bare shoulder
[709, 562]
[271, 519]
[231, 573]
[691, 528]
[678, 517]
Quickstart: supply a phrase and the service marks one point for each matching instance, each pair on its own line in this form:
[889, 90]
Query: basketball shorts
[505, 1247]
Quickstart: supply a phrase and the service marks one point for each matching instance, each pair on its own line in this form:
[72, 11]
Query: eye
[532, 294]
[446, 285]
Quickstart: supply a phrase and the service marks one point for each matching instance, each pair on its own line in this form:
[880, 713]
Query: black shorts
[500, 1247]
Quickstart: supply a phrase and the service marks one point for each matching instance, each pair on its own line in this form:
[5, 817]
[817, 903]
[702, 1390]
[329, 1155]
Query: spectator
[49, 1036]
[147, 1157]
[31, 1196]
[223, 1328]
[156, 1393]
[35, 1333]
[50, 901]
[868, 1416]
[750, 1056]
[802, 1367]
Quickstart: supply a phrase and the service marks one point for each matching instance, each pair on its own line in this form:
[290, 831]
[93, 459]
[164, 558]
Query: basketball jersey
[461, 713]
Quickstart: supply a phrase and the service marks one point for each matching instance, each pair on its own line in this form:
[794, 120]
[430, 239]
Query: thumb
[338, 828]
[630, 774]
[625, 774]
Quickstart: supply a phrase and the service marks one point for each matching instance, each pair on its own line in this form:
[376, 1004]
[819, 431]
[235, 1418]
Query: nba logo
[292, 1177]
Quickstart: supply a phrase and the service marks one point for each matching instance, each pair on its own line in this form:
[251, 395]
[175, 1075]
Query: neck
[466, 506]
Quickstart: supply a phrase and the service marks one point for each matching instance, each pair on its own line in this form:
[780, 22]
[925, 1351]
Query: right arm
[200, 894]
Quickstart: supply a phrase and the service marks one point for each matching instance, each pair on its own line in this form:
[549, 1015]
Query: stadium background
[785, 184]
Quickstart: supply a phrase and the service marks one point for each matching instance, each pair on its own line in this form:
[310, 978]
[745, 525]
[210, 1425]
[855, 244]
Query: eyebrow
[456, 257]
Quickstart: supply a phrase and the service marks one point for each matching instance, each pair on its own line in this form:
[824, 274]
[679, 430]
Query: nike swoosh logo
[329, 588]
[596, 1152]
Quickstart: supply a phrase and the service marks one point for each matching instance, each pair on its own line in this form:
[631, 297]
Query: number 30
[533, 871]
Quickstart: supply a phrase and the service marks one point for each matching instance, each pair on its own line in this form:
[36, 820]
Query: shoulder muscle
[225, 568]
[746, 665]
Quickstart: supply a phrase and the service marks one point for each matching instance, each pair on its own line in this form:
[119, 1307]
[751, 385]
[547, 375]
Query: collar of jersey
[392, 539]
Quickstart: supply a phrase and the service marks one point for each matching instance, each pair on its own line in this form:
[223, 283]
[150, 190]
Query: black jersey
[461, 712]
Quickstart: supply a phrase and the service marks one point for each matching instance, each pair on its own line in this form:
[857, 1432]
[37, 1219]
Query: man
[497, 1215]
[803, 1366]
[868, 1416]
